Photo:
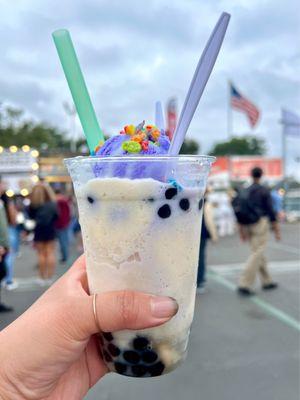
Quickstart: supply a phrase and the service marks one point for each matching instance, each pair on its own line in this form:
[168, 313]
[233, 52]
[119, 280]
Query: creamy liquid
[129, 246]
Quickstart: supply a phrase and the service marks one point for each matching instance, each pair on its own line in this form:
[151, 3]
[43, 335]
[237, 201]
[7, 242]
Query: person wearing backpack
[254, 213]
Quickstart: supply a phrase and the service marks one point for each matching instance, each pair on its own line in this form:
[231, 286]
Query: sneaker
[201, 290]
[4, 308]
[270, 286]
[41, 282]
[11, 285]
[49, 281]
[246, 292]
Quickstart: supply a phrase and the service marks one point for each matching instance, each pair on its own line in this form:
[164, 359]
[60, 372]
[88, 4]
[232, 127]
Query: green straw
[81, 98]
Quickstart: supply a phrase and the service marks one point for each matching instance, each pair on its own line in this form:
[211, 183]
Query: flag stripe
[241, 103]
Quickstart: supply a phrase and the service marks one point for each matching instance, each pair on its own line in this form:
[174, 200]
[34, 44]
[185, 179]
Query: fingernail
[163, 307]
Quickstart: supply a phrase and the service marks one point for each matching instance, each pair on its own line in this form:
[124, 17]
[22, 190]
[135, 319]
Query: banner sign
[239, 168]
[16, 162]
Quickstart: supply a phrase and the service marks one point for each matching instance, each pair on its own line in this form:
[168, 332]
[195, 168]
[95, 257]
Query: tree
[247, 145]
[14, 130]
[190, 146]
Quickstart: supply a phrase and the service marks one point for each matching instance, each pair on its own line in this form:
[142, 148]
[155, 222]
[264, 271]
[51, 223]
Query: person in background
[62, 224]
[277, 202]
[75, 228]
[226, 220]
[260, 200]
[4, 248]
[208, 231]
[14, 239]
[43, 210]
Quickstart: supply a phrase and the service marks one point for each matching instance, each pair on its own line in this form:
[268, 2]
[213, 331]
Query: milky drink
[143, 234]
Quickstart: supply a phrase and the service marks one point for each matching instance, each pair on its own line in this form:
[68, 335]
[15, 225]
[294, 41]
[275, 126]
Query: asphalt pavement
[239, 348]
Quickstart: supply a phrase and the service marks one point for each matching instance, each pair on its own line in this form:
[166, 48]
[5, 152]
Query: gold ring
[95, 312]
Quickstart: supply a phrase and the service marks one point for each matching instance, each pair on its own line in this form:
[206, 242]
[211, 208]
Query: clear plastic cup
[141, 220]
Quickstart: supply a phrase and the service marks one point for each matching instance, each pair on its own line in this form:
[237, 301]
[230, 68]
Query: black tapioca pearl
[156, 369]
[184, 204]
[200, 204]
[164, 211]
[108, 336]
[139, 370]
[141, 343]
[149, 356]
[107, 356]
[113, 350]
[170, 193]
[151, 199]
[90, 199]
[131, 356]
[120, 368]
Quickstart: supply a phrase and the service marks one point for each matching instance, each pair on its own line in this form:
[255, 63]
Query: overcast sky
[133, 53]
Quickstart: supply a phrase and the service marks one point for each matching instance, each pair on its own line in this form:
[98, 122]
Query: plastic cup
[141, 219]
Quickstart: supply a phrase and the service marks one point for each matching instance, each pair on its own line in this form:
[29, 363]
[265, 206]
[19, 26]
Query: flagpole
[283, 152]
[229, 113]
[283, 155]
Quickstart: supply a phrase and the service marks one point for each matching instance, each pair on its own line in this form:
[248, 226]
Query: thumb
[123, 310]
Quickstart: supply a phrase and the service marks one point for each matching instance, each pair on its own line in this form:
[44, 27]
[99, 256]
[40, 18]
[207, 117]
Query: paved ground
[239, 349]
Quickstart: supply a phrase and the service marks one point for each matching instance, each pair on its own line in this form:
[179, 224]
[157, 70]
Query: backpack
[244, 210]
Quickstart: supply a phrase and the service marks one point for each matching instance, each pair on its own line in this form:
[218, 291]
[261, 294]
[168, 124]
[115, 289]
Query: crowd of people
[49, 216]
[46, 217]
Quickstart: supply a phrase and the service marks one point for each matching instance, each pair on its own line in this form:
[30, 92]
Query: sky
[134, 54]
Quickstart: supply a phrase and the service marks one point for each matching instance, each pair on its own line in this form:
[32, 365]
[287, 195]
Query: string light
[24, 192]
[13, 149]
[9, 193]
[1, 149]
[35, 153]
[35, 178]
[35, 166]
[26, 148]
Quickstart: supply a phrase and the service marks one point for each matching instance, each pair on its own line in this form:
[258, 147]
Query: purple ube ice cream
[140, 140]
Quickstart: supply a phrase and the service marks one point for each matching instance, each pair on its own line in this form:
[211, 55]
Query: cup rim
[145, 158]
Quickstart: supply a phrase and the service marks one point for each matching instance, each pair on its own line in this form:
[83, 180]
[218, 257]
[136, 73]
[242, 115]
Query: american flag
[239, 102]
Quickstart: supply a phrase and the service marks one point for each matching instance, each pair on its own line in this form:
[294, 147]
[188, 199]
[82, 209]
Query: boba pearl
[170, 193]
[164, 211]
[200, 204]
[156, 369]
[90, 199]
[139, 370]
[141, 343]
[108, 336]
[131, 356]
[120, 368]
[184, 204]
[113, 350]
[149, 356]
